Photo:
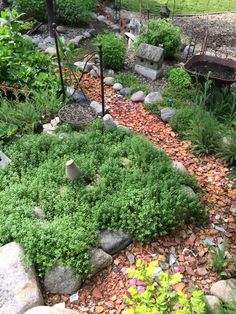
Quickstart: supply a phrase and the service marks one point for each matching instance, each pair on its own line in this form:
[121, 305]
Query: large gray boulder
[99, 260]
[167, 114]
[96, 106]
[61, 279]
[153, 97]
[49, 310]
[19, 289]
[114, 242]
[225, 290]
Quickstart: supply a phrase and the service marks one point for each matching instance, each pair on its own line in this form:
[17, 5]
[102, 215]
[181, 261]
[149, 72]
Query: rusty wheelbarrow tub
[223, 71]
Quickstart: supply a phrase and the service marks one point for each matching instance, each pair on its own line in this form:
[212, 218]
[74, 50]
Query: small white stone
[109, 81]
[51, 50]
[117, 86]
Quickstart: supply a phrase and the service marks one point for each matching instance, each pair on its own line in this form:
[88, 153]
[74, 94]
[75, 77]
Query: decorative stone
[225, 290]
[138, 96]
[117, 86]
[134, 26]
[61, 29]
[149, 60]
[42, 46]
[153, 97]
[51, 50]
[70, 90]
[233, 209]
[84, 66]
[109, 122]
[109, 81]
[76, 40]
[114, 242]
[61, 279]
[96, 106]
[4, 160]
[213, 302]
[86, 35]
[48, 128]
[49, 310]
[189, 191]
[127, 91]
[115, 28]
[101, 18]
[178, 166]
[19, 289]
[79, 97]
[95, 72]
[36, 40]
[167, 114]
[110, 72]
[54, 122]
[39, 212]
[99, 260]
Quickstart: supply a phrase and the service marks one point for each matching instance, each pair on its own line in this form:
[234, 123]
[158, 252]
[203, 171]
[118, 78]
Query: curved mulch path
[104, 293]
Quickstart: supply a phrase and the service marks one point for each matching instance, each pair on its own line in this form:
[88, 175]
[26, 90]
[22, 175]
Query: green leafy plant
[226, 308]
[129, 80]
[219, 259]
[73, 12]
[157, 294]
[114, 51]
[182, 120]
[227, 148]
[161, 32]
[179, 78]
[142, 195]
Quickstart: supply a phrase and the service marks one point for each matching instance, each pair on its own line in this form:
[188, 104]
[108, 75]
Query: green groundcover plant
[127, 183]
[156, 293]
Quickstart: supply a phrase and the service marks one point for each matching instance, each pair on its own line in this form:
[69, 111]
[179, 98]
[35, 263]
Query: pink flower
[176, 269]
[133, 282]
[141, 288]
[123, 269]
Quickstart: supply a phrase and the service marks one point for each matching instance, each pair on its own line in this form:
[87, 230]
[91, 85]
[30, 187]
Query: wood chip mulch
[104, 292]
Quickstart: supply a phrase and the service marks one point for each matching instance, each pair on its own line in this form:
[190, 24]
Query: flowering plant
[152, 292]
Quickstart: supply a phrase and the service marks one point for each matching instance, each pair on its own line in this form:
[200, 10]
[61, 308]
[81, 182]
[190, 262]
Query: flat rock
[51, 51]
[138, 96]
[61, 279]
[153, 97]
[109, 122]
[76, 40]
[97, 106]
[179, 166]
[39, 212]
[225, 290]
[19, 289]
[101, 18]
[167, 114]
[109, 81]
[117, 86]
[84, 66]
[114, 242]
[189, 191]
[49, 310]
[213, 302]
[61, 29]
[95, 72]
[4, 160]
[99, 260]
[126, 91]
[147, 72]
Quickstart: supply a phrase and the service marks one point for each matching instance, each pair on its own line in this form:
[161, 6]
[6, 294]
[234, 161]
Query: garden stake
[50, 17]
[101, 78]
[59, 62]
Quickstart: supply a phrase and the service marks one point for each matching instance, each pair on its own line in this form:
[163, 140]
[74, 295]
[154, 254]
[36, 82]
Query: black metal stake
[50, 17]
[102, 79]
[59, 62]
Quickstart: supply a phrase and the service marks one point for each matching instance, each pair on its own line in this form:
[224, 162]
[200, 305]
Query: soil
[77, 114]
[218, 71]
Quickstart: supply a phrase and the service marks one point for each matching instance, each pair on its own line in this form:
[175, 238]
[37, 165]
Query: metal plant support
[50, 10]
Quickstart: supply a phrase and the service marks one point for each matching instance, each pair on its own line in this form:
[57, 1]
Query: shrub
[72, 12]
[227, 148]
[179, 78]
[20, 62]
[129, 80]
[181, 121]
[143, 196]
[157, 294]
[161, 32]
[114, 51]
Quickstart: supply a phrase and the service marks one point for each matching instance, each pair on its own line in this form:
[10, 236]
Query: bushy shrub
[156, 293]
[114, 51]
[128, 184]
[179, 78]
[20, 62]
[161, 32]
[72, 12]
[227, 147]
[181, 121]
